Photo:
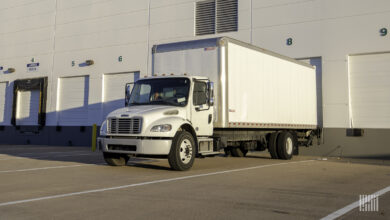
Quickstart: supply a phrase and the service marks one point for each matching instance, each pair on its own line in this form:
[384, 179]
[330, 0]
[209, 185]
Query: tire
[114, 159]
[182, 154]
[238, 152]
[228, 152]
[296, 147]
[286, 145]
[272, 145]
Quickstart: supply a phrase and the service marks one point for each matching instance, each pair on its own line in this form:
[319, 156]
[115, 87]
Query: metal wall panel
[95, 29]
[370, 90]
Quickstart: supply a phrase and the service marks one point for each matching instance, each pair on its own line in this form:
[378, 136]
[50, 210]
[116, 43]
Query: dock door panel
[27, 108]
[369, 79]
[3, 98]
[114, 90]
[73, 101]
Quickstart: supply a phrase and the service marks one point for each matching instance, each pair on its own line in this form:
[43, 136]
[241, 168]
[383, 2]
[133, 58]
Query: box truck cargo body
[255, 88]
[209, 95]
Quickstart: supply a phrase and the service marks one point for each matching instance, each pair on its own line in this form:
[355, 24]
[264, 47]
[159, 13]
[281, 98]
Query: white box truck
[209, 95]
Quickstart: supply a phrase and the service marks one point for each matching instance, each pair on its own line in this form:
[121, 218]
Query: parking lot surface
[40, 182]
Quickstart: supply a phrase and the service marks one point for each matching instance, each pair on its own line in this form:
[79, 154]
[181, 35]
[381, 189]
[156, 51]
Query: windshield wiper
[139, 103]
[163, 102]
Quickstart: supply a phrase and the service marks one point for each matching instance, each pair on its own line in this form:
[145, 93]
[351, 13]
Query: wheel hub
[185, 151]
[289, 146]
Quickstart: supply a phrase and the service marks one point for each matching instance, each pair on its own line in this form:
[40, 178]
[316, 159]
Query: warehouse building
[64, 64]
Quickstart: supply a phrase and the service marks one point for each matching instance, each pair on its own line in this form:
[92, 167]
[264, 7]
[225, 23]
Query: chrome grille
[124, 125]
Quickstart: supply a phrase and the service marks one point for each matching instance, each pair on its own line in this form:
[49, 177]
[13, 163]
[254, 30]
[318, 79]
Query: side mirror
[210, 97]
[129, 87]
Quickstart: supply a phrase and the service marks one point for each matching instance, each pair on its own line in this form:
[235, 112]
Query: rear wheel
[182, 154]
[228, 152]
[286, 145]
[114, 159]
[272, 145]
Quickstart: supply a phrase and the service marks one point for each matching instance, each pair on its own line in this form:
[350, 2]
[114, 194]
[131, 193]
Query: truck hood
[153, 115]
[143, 110]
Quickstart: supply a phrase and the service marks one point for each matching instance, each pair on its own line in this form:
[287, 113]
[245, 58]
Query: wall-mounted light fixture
[89, 62]
[11, 70]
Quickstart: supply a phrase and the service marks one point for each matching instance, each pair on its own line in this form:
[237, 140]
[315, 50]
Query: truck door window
[200, 93]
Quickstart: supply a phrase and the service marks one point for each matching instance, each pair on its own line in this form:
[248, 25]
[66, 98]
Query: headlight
[103, 128]
[161, 128]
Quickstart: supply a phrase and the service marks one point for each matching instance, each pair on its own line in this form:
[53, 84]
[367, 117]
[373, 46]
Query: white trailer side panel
[370, 90]
[269, 90]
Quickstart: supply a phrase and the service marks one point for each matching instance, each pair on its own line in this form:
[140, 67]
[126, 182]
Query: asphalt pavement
[41, 182]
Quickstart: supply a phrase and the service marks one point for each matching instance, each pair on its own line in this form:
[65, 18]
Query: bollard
[94, 131]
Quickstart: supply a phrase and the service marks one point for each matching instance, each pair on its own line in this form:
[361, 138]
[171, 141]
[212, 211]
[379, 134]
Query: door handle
[210, 118]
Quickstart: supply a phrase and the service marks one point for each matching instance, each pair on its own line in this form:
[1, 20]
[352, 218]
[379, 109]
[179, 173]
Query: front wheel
[182, 154]
[114, 159]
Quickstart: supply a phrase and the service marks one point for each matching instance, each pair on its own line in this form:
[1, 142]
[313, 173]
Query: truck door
[201, 111]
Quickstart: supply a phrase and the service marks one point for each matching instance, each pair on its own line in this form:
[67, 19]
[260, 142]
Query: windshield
[172, 91]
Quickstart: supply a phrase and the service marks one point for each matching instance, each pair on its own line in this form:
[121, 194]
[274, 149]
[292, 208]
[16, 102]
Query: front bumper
[134, 146]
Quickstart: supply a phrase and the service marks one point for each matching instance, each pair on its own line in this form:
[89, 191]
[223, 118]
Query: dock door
[29, 102]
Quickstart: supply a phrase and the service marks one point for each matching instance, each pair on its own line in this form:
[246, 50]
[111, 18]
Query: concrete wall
[58, 32]
[373, 144]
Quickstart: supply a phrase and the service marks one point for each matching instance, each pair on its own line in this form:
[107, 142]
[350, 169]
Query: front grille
[122, 147]
[124, 125]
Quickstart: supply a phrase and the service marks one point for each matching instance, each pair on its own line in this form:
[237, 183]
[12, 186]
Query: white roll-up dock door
[114, 90]
[73, 101]
[3, 94]
[369, 76]
[27, 107]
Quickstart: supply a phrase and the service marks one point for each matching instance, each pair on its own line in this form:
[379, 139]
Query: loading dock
[29, 102]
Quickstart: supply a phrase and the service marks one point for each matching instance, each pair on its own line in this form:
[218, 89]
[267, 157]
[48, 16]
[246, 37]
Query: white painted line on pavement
[47, 168]
[147, 183]
[352, 206]
[48, 156]
[41, 153]
[51, 152]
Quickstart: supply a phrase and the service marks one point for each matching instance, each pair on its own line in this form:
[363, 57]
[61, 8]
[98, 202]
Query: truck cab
[166, 116]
